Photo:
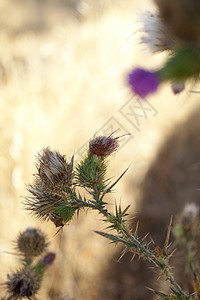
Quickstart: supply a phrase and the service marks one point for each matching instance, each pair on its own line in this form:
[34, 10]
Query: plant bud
[103, 146]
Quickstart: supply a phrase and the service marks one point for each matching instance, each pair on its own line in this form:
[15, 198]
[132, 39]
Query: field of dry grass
[62, 78]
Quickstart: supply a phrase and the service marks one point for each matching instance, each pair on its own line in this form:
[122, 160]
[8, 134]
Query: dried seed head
[54, 171]
[31, 242]
[24, 283]
[103, 145]
[44, 203]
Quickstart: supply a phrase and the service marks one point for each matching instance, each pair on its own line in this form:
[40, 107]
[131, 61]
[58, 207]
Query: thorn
[132, 258]
[112, 185]
[167, 236]
[136, 227]
[12, 253]
[159, 251]
[144, 238]
[156, 292]
[123, 253]
[61, 228]
[196, 286]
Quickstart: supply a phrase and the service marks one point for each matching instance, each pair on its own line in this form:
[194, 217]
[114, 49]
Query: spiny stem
[151, 257]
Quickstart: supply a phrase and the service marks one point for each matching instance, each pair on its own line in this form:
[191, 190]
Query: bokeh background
[63, 67]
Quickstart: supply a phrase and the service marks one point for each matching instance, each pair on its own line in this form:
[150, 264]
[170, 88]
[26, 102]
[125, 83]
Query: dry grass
[62, 71]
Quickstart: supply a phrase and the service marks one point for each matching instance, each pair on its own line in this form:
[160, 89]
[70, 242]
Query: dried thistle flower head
[52, 188]
[53, 170]
[24, 283]
[32, 242]
[46, 204]
[103, 146]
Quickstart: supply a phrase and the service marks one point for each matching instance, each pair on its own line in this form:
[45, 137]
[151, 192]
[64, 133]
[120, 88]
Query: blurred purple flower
[143, 82]
[48, 259]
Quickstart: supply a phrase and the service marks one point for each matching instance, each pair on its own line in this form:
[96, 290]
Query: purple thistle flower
[48, 259]
[143, 82]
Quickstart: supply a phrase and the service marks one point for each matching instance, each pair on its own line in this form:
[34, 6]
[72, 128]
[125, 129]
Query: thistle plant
[58, 196]
[31, 246]
[173, 28]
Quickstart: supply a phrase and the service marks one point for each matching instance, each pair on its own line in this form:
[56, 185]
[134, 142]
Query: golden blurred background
[63, 66]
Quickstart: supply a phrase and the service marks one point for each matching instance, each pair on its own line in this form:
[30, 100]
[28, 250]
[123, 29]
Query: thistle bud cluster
[52, 187]
[173, 27]
[26, 281]
[54, 193]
